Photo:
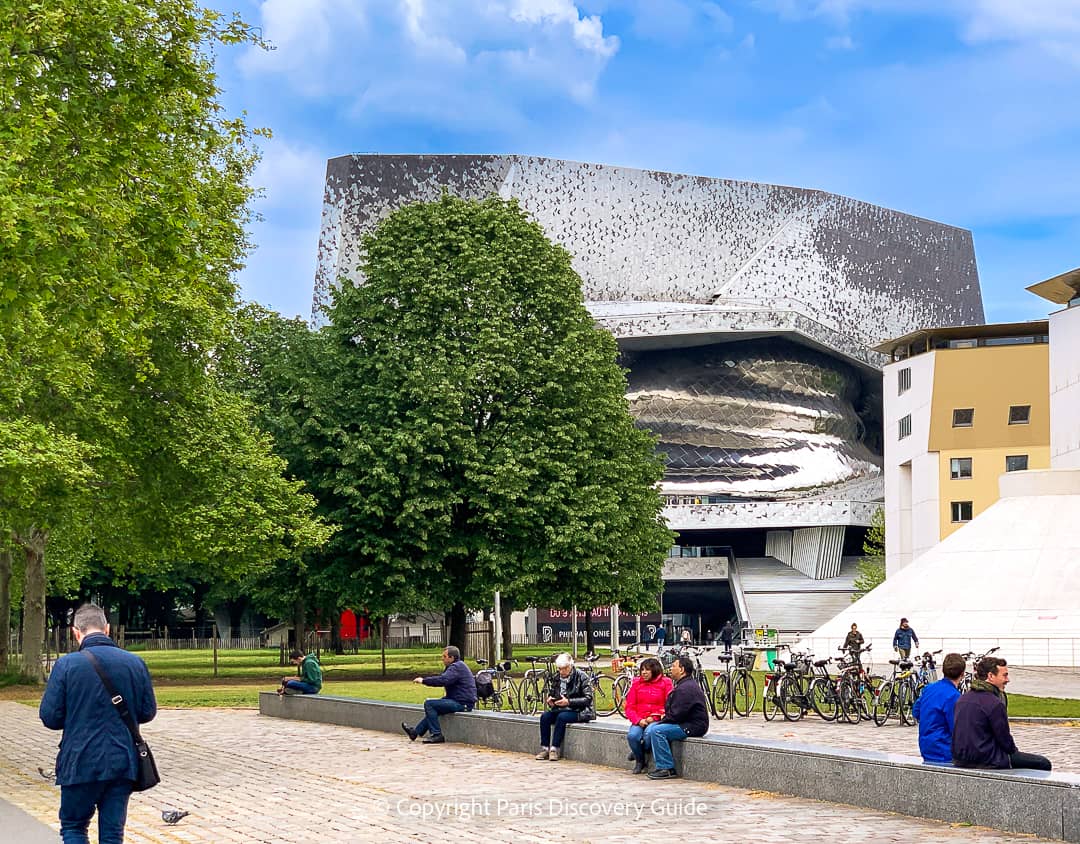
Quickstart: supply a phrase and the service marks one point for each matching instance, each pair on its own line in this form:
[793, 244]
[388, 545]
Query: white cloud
[840, 42]
[290, 176]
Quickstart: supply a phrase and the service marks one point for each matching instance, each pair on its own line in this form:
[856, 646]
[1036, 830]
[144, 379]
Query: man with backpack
[460, 696]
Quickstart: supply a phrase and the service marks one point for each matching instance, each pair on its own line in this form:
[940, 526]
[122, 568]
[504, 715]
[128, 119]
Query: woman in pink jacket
[645, 705]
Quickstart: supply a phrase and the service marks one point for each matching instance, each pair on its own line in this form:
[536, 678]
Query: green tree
[479, 426]
[871, 568]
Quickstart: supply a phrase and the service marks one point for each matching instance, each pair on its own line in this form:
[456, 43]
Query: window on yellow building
[961, 511]
[959, 468]
[1020, 414]
[963, 417]
[1016, 463]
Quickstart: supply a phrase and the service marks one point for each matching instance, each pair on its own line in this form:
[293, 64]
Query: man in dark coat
[686, 713]
[460, 696]
[981, 736]
[727, 635]
[96, 764]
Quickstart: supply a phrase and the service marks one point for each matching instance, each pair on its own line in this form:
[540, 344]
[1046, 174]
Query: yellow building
[962, 405]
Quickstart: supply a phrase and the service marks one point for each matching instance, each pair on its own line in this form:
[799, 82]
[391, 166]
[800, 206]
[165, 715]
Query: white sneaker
[542, 755]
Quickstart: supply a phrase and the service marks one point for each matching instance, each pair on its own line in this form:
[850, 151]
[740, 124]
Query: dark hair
[452, 652]
[654, 666]
[903, 621]
[296, 653]
[953, 666]
[988, 665]
[687, 665]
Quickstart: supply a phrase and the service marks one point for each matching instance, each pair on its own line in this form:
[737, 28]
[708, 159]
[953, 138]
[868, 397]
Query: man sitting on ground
[934, 711]
[981, 737]
[460, 696]
[310, 681]
[685, 714]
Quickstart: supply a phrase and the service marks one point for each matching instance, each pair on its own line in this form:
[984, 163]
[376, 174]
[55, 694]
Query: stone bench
[1033, 802]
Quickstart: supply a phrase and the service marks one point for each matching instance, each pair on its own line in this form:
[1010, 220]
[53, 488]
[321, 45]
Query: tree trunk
[383, 627]
[33, 544]
[588, 632]
[457, 626]
[506, 609]
[5, 604]
[299, 622]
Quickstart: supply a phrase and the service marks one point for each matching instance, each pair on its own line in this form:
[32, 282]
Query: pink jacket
[646, 699]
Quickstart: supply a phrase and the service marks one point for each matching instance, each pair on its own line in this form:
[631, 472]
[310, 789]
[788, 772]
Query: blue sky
[962, 111]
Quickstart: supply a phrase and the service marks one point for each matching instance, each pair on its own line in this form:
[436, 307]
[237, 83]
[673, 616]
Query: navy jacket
[902, 638]
[687, 707]
[459, 682]
[96, 745]
[934, 711]
[981, 737]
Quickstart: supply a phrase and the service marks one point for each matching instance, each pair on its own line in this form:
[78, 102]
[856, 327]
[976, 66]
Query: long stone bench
[1033, 802]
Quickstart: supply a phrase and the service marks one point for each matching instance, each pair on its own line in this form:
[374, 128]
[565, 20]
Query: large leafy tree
[481, 434]
[123, 200]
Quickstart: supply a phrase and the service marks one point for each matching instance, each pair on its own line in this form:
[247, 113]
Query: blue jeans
[433, 708]
[301, 687]
[77, 805]
[658, 737]
[557, 718]
[635, 738]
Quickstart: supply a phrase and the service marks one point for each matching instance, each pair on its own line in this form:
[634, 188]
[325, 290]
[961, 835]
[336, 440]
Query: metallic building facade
[743, 311]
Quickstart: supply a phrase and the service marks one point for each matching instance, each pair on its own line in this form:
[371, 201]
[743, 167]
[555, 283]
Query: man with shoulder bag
[98, 696]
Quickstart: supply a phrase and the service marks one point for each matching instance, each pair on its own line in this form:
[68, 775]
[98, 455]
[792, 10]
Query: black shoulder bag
[146, 772]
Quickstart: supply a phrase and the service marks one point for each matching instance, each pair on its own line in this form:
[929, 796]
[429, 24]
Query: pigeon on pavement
[173, 815]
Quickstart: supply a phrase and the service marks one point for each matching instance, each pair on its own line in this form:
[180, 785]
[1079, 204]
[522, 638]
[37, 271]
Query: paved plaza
[247, 778]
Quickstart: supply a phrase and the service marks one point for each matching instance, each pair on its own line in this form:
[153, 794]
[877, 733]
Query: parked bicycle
[734, 689]
[603, 686]
[535, 684]
[504, 694]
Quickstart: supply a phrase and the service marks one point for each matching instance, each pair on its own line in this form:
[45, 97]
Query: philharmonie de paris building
[746, 315]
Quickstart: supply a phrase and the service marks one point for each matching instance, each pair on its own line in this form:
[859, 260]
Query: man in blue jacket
[460, 696]
[981, 736]
[96, 764]
[902, 639]
[686, 713]
[934, 711]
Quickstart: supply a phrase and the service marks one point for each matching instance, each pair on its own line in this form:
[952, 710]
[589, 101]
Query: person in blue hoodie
[902, 639]
[460, 696]
[934, 711]
[96, 765]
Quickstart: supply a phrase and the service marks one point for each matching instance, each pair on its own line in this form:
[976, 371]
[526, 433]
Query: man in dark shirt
[981, 736]
[685, 714]
[460, 696]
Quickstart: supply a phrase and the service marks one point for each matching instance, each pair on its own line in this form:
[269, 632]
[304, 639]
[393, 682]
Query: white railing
[1060, 652]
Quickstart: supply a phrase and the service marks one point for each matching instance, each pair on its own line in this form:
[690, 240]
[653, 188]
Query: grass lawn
[185, 678]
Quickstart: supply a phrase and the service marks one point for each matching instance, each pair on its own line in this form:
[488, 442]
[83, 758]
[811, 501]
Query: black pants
[1029, 760]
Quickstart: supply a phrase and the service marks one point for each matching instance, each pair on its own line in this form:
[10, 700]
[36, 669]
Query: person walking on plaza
[981, 736]
[727, 635]
[902, 639]
[570, 701]
[96, 765]
[661, 634]
[310, 682]
[644, 706]
[933, 710]
[685, 714]
[853, 643]
[460, 696]
[687, 638]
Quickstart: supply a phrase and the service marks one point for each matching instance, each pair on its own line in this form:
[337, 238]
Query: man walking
[981, 736]
[727, 635]
[933, 710]
[460, 696]
[96, 764]
[685, 714]
[902, 639]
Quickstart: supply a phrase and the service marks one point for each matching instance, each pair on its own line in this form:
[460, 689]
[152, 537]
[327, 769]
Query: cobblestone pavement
[245, 778]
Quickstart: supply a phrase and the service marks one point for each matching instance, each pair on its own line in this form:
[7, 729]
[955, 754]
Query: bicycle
[795, 687]
[857, 687]
[504, 690]
[534, 685]
[626, 676]
[897, 695]
[973, 658]
[734, 687]
[603, 686]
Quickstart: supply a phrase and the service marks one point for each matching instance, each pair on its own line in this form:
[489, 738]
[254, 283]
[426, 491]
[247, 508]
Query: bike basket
[746, 659]
[485, 688]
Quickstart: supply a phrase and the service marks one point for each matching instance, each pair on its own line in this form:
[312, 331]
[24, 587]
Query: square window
[904, 427]
[959, 468]
[961, 511]
[963, 417]
[903, 380]
[1016, 463]
[1019, 414]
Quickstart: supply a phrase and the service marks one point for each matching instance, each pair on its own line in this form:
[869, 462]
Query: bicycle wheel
[886, 705]
[905, 702]
[849, 703]
[823, 698]
[511, 695]
[529, 696]
[743, 693]
[721, 695]
[770, 698]
[604, 695]
[868, 694]
[792, 698]
[622, 686]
